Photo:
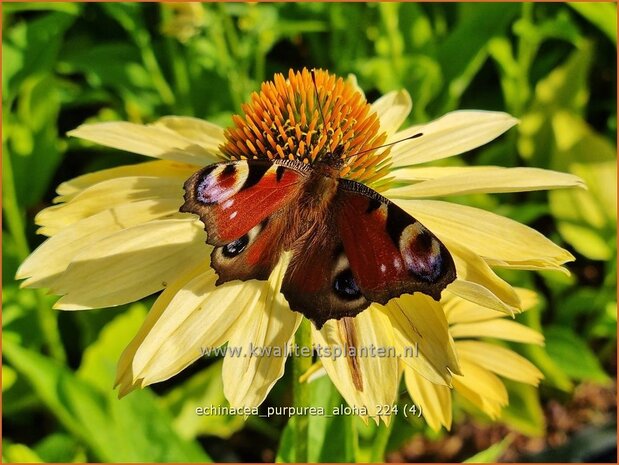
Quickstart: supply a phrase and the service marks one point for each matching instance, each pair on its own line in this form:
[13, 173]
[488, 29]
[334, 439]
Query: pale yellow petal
[392, 110]
[105, 195]
[478, 283]
[425, 173]
[502, 361]
[501, 240]
[163, 168]
[125, 379]
[50, 259]
[487, 180]
[460, 310]
[452, 134]
[463, 311]
[480, 295]
[419, 322]
[351, 79]
[481, 387]
[500, 329]
[266, 335]
[433, 400]
[156, 141]
[197, 317]
[131, 264]
[365, 381]
[201, 132]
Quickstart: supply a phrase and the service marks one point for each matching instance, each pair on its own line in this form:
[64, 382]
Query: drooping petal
[357, 377]
[463, 311]
[420, 322]
[194, 317]
[44, 266]
[501, 241]
[502, 361]
[392, 110]
[478, 283]
[125, 378]
[433, 400]
[265, 336]
[131, 264]
[487, 180]
[498, 328]
[459, 310]
[483, 388]
[105, 195]
[163, 168]
[159, 141]
[452, 134]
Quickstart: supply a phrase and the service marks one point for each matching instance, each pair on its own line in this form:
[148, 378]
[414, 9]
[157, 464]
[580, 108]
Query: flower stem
[381, 438]
[301, 391]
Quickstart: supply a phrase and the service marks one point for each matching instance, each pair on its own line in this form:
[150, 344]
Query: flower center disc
[284, 121]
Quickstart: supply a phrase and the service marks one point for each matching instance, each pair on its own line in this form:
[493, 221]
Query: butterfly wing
[318, 282]
[390, 252]
[243, 206]
[367, 250]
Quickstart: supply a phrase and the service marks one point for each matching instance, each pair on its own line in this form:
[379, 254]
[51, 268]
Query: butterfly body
[350, 246]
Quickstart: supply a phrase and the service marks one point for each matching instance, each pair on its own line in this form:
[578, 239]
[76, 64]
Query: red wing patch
[232, 198]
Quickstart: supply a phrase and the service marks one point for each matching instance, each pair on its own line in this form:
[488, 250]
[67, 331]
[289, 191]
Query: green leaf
[524, 412]
[204, 389]
[331, 437]
[33, 143]
[573, 355]
[587, 219]
[60, 448]
[65, 7]
[286, 451]
[9, 376]
[37, 43]
[464, 51]
[19, 453]
[137, 427]
[99, 360]
[563, 92]
[492, 453]
[602, 15]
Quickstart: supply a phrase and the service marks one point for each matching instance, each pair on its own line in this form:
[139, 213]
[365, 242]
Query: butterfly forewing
[243, 206]
[390, 252]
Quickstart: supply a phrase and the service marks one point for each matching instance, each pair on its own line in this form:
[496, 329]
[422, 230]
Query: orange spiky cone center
[293, 119]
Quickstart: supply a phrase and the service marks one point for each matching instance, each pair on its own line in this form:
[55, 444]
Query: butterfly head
[311, 117]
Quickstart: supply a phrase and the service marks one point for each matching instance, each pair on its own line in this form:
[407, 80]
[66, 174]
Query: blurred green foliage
[551, 65]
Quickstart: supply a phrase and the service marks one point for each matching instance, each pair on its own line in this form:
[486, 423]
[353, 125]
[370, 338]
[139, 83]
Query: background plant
[551, 65]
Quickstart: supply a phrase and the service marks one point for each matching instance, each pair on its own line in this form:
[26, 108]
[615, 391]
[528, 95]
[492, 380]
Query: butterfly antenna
[414, 136]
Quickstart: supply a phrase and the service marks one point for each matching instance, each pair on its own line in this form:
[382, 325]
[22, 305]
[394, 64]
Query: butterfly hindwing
[390, 252]
[319, 282]
[242, 205]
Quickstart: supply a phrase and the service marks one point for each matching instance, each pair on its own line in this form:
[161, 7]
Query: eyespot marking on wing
[421, 253]
[237, 247]
[218, 183]
[344, 284]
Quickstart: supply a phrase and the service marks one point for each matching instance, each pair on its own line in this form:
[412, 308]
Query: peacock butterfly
[350, 245]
